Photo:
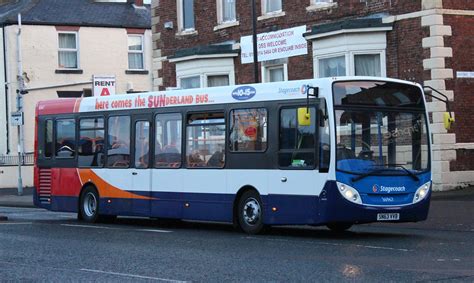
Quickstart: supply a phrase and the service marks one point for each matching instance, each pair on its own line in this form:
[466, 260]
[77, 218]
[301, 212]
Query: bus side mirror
[448, 120]
[304, 117]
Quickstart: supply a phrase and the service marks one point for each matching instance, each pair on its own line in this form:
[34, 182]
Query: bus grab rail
[448, 119]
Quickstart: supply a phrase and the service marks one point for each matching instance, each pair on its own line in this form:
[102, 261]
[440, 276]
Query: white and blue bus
[331, 151]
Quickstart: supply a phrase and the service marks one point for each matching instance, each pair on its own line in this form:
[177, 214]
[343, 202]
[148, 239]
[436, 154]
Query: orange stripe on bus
[105, 189]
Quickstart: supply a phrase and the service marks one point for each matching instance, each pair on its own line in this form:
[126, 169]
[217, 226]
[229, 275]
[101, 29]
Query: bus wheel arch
[88, 203]
[248, 210]
[91, 212]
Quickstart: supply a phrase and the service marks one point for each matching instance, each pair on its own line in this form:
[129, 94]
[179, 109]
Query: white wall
[9, 176]
[101, 51]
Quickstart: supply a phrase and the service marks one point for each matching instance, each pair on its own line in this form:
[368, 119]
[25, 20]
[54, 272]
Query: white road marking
[116, 228]
[154, 230]
[131, 275]
[87, 226]
[15, 223]
[334, 244]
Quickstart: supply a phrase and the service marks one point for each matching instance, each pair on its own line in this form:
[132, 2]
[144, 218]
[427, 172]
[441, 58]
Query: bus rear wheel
[250, 213]
[89, 205]
[339, 227]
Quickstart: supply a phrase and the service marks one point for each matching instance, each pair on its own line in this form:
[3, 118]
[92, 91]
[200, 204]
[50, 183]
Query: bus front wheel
[250, 212]
[339, 227]
[89, 205]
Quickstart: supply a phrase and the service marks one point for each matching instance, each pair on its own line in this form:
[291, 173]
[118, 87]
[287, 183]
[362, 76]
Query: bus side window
[324, 138]
[205, 140]
[48, 138]
[248, 130]
[168, 140]
[118, 142]
[65, 138]
[91, 142]
[297, 140]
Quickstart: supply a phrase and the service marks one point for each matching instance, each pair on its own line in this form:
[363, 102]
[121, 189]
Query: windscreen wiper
[411, 174]
[360, 177]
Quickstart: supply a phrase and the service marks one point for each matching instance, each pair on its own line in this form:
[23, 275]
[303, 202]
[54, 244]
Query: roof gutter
[59, 85]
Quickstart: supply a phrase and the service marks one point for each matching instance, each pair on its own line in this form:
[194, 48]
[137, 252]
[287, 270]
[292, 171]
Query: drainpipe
[6, 88]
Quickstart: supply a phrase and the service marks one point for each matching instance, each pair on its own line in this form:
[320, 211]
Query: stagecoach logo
[244, 93]
[376, 188]
[304, 89]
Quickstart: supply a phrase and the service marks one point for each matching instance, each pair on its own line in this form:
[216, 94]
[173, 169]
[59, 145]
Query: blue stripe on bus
[330, 206]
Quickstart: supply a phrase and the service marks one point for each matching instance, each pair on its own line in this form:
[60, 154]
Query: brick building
[200, 43]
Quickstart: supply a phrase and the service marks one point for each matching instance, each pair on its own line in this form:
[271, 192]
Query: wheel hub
[251, 211]
[90, 204]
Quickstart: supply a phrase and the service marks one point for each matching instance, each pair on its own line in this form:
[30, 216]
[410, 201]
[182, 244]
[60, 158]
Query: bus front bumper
[335, 208]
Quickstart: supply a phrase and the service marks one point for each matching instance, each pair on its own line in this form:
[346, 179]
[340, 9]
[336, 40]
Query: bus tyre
[89, 205]
[250, 213]
[339, 227]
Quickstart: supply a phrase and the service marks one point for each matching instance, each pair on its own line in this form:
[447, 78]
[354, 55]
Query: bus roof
[199, 96]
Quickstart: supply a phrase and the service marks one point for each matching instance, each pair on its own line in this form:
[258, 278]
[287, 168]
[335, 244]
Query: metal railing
[12, 160]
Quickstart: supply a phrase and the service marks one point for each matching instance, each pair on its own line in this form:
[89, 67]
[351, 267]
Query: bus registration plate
[388, 216]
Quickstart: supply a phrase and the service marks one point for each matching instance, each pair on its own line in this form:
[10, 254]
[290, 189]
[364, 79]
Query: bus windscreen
[377, 93]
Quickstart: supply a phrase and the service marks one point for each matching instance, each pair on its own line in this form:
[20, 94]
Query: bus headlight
[422, 192]
[349, 193]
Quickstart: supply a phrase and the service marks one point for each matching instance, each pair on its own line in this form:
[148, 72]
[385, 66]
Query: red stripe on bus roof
[58, 106]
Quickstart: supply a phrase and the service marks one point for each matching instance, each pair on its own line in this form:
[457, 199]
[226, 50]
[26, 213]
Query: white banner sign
[275, 45]
[103, 85]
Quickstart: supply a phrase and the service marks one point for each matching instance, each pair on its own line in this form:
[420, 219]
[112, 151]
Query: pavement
[10, 197]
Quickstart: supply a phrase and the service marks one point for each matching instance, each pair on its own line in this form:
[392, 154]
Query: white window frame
[264, 8]
[322, 2]
[381, 53]
[328, 56]
[178, 79]
[266, 73]
[350, 43]
[211, 74]
[350, 61]
[220, 15]
[137, 51]
[204, 66]
[315, 5]
[203, 78]
[70, 49]
[180, 10]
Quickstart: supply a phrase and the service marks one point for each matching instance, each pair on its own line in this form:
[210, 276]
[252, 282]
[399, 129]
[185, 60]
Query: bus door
[167, 175]
[141, 165]
[298, 181]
